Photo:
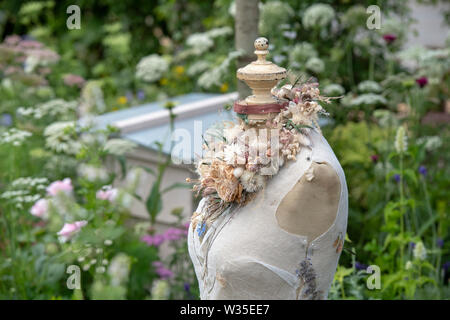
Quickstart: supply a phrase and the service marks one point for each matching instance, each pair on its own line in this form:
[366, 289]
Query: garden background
[61, 205]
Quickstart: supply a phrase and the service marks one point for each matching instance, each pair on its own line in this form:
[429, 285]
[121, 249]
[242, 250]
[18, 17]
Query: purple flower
[423, 170]
[129, 95]
[187, 287]
[360, 266]
[6, 120]
[173, 234]
[140, 95]
[440, 242]
[374, 158]
[446, 266]
[162, 271]
[412, 245]
[155, 240]
[422, 81]
[397, 177]
[389, 38]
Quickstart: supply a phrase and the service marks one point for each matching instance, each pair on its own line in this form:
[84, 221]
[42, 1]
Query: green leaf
[176, 185]
[154, 202]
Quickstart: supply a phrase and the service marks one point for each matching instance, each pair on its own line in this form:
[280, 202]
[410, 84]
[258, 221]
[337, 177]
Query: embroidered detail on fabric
[307, 289]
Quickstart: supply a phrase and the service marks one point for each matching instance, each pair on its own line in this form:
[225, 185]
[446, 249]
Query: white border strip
[182, 111]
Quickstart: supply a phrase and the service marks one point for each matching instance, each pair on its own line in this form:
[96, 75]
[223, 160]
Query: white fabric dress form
[245, 254]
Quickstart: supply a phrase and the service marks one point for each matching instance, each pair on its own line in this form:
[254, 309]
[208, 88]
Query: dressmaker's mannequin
[285, 243]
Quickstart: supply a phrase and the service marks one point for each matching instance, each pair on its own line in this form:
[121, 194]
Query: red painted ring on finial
[259, 108]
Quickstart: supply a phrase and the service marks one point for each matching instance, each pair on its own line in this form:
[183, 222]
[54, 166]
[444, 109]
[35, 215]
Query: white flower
[219, 32]
[431, 143]
[251, 181]
[334, 90]
[60, 137]
[318, 16]
[14, 136]
[197, 67]
[315, 65]
[302, 52]
[369, 86]
[401, 140]
[119, 269]
[119, 147]
[271, 14]
[420, 252]
[54, 108]
[93, 173]
[408, 265]
[200, 42]
[368, 99]
[160, 290]
[151, 68]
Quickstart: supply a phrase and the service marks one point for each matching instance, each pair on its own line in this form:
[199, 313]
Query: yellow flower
[179, 70]
[163, 81]
[224, 87]
[122, 100]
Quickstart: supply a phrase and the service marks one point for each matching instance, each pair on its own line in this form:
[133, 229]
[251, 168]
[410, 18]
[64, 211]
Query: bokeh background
[77, 190]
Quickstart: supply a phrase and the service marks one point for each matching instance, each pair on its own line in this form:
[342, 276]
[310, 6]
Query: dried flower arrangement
[240, 157]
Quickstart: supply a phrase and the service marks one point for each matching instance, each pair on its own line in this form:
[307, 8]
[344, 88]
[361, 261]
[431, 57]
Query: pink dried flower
[60, 186]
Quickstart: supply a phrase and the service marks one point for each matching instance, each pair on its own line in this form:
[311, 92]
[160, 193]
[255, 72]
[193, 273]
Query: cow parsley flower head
[334, 90]
[318, 16]
[315, 65]
[401, 140]
[301, 52]
[62, 137]
[151, 68]
[368, 99]
[369, 86]
[14, 137]
[271, 13]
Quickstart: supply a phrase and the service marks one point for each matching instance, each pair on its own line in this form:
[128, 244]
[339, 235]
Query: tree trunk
[246, 32]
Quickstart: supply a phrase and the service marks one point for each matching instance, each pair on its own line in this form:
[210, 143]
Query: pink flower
[155, 240]
[60, 186]
[173, 234]
[70, 229]
[40, 209]
[72, 80]
[107, 193]
[389, 38]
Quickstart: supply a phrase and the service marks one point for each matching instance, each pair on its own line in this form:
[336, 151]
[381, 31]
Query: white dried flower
[251, 181]
[233, 154]
[151, 68]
